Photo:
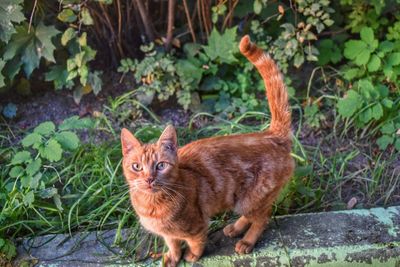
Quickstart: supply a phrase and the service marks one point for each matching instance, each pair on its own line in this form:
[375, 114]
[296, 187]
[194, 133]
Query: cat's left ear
[168, 138]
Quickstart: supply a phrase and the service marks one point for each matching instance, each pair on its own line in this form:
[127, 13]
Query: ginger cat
[175, 191]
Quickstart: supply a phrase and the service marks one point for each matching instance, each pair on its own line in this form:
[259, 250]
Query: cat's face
[149, 168]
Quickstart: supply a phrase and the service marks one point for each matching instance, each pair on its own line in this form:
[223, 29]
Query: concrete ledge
[343, 238]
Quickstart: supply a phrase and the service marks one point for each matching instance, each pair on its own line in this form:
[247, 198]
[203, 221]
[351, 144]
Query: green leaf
[86, 17]
[48, 192]
[377, 111]
[384, 141]
[387, 103]
[367, 35]
[397, 144]
[30, 59]
[31, 139]
[350, 74]
[75, 122]
[386, 46]
[21, 157]
[353, 48]
[257, 6]
[67, 36]
[366, 88]
[394, 59]
[67, 15]
[348, 105]
[33, 167]
[57, 201]
[82, 40]
[44, 34]
[328, 52]
[45, 128]
[374, 64]
[29, 198]
[29, 47]
[16, 171]
[68, 140]
[186, 68]
[298, 60]
[11, 11]
[59, 74]
[34, 183]
[26, 181]
[388, 128]
[95, 81]
[7, 248]
[366, 115]
[362, 58]
[223, 46]
[52, 151]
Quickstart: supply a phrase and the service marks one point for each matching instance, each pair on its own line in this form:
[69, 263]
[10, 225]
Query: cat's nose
[150, 180]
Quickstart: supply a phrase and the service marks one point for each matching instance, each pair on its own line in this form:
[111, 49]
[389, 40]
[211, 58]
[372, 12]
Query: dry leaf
[352, 202]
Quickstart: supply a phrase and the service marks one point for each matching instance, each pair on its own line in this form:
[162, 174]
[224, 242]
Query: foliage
[160, 75]
[367, 103]
[10, 13]
[313, 115]
[366, 14]
[371, 103]
[390, 135]
[30, 42]
[32, 173]
[79, 54]
[7, 251]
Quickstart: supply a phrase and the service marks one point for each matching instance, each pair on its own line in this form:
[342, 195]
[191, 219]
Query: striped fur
[243, 173]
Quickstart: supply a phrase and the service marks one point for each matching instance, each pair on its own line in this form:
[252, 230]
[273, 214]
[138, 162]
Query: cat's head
[148, 168]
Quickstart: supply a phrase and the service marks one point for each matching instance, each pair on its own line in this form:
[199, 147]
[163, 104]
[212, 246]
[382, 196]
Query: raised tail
[275, 88]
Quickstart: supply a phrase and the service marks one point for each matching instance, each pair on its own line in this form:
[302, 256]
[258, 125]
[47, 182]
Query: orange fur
[175, 191]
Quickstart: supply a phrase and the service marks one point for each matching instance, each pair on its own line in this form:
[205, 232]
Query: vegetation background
[144, 63]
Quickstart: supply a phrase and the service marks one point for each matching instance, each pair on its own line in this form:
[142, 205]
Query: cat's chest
[156, 220]
[159, 226]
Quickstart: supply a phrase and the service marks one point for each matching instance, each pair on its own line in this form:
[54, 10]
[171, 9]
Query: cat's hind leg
[237, 228]
[259, 222]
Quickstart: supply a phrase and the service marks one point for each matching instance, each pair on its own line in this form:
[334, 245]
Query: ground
[344, 168]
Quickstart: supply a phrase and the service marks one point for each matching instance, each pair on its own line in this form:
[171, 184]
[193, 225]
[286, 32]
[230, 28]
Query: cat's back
[250, 144]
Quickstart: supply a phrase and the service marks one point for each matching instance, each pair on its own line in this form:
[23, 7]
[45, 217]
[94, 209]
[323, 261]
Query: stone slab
[343, 238]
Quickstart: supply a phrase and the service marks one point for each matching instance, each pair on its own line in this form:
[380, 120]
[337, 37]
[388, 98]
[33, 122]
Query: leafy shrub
[32, 169]
[30, 42]
[161, 75]
[367, 103]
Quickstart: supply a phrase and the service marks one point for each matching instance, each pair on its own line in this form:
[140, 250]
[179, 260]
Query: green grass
[94, 195]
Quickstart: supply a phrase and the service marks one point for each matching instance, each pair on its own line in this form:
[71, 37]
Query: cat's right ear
[128, 141]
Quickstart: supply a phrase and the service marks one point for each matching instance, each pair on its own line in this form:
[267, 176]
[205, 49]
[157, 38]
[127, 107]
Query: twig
[170, 27]
[145, 19]
[189, 21]
[120, 28]
[31, 18]
[199, 18]
[205, 17]
[229, 15]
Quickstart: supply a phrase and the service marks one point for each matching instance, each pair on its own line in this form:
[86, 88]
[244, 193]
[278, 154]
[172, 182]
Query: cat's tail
[275, 88]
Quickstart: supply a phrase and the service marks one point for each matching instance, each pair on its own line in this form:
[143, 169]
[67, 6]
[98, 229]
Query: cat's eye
[136, 167]
[161, 166]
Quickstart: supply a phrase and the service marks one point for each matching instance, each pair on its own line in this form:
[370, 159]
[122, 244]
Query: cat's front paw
[231, 231]
[243, 247]
[169, 260]
[190, 256]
